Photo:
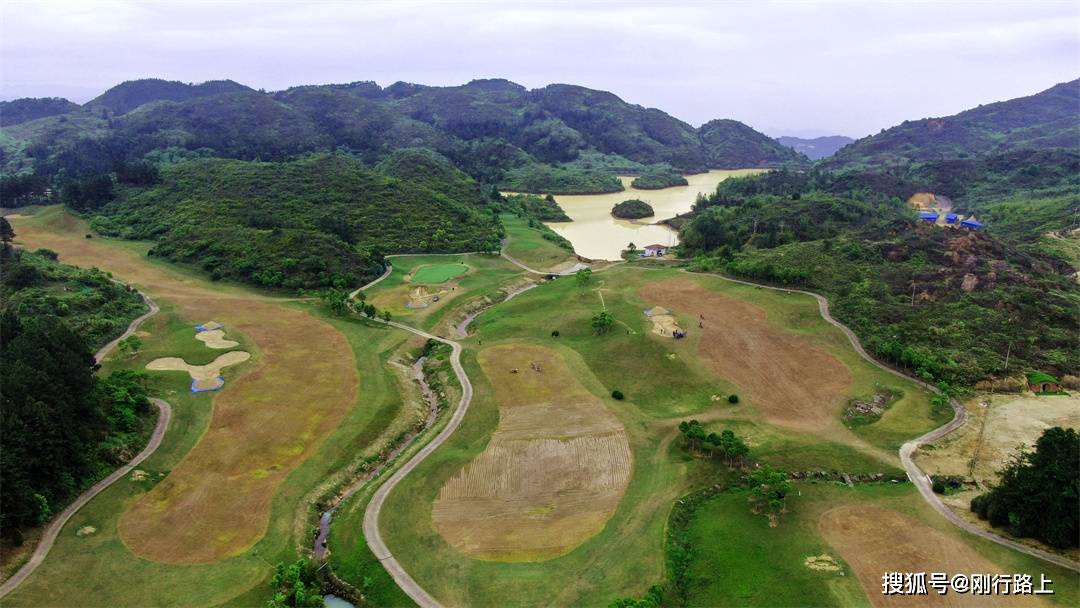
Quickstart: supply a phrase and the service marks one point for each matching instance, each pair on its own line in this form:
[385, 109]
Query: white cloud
[825, 67]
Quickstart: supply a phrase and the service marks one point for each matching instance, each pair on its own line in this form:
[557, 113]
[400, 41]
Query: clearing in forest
[553, 472]
[874, 540]
[437, 273]
[791, 381]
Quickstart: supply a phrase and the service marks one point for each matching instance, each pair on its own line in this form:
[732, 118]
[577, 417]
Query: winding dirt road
[58, 523]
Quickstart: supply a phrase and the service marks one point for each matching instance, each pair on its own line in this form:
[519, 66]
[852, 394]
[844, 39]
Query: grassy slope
[741, 561]
[528, 245]
[626, 556]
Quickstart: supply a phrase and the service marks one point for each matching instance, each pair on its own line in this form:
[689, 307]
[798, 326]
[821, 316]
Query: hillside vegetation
[26, 109]
[947, 304]
[495, 130]
[1042, 121]
[322, 221]
[63, 427]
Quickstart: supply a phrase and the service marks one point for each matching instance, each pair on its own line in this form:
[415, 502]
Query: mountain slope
[129, 95]
[26, 109]
[815, 148]
[729, 144]
[325, 220]
[1050, 119]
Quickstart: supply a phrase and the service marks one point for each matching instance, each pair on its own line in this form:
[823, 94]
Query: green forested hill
[495, 130]
[26, 109]
[129, 95]
[315, 222]
[1046, 120]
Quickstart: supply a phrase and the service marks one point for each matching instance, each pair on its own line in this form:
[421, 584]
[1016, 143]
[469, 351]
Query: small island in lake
[632, 209]
[657, 178]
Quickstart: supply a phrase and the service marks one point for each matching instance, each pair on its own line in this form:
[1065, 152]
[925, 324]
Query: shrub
[554, 333]
[733, 399]
[617, 395]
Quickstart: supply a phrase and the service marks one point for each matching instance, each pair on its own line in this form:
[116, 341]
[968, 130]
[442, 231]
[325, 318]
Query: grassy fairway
[101, 569]
[394, 292]
[664, 381]
[438, 273]
[740, 560]
[528, 245]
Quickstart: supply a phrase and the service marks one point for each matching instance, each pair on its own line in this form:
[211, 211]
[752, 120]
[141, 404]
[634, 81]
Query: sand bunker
[791, 381]
[663, 321]
[204, 377]
[422, 298]
[553, 472]
[822, 563]
[215, 338]
[85, 531]
[874, 540]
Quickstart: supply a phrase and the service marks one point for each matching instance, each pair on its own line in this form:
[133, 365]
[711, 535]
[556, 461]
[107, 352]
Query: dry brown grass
[553, 472]
[216, 502]
[792, 382]
[875, 540]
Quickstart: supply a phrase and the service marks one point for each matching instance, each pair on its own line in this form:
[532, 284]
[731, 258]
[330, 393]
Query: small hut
[654, 251]
[1039, 382]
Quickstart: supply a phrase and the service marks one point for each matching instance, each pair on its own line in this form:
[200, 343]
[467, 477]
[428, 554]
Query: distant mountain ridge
[493, 129]
[1047, 120]
[18, 111]
[815, 148]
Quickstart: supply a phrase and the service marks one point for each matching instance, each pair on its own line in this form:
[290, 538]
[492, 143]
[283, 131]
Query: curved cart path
[915, 474]
[374, 508]
[58, 523]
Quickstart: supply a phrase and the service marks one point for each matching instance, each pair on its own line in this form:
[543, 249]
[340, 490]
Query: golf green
[438, 273]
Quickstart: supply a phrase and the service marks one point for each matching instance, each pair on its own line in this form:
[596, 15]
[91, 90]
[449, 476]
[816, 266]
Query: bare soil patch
[875, 540]
[553, 472]
[792, 382]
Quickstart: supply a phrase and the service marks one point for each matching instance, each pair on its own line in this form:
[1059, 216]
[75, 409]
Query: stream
[320, 548]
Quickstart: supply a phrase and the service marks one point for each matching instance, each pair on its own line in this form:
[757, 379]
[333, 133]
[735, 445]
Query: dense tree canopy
[1038, 494]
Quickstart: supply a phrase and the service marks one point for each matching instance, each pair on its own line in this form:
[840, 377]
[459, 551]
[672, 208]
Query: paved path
[915, 474]
[374, 508]
[58, 523]
[563, 273]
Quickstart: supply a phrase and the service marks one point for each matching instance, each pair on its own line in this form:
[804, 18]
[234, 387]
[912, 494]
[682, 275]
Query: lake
[598, 235]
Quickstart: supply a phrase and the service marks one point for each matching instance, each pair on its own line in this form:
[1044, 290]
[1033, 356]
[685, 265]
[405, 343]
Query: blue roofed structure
[972, 224]
[950, 218]
[928, 216]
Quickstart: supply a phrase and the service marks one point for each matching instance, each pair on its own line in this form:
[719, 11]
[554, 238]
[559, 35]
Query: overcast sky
[806, 68]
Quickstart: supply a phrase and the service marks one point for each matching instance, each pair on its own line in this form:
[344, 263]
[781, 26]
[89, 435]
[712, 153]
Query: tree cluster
[295, 586]
[1038, 493]
[727, 446]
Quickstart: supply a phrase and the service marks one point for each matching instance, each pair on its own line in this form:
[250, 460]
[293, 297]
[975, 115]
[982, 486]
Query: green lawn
[528, 245]
[740, 561]
[438, 273]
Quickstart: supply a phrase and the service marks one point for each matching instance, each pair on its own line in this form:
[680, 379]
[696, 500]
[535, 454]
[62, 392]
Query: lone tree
[336, 301]
[582, 278]
[130, 345]
[7, 234]
[386, 316]
[769, 491]
[602, 322]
